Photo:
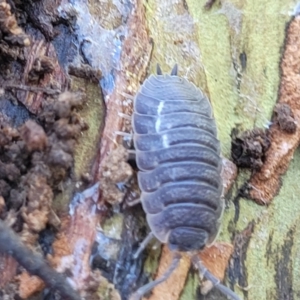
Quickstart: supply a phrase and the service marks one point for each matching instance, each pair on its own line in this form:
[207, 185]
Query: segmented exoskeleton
[178, 155]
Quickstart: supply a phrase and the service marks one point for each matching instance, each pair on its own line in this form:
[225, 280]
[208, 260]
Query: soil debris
[285, 118]
[85, 71]
[10, 30]
[41, 66]
[248, 150]
[34, 160]
[116, 172]
[265, 184]
[34, 136]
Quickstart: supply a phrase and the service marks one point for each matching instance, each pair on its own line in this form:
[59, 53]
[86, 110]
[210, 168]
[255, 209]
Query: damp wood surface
[233, 52]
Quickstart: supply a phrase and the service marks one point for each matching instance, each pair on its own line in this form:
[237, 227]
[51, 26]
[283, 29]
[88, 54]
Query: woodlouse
[178, 155]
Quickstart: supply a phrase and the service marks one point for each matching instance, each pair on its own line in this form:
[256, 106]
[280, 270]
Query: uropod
[178, 156]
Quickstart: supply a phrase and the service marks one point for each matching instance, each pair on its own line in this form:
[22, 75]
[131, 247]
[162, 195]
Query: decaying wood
[176, 280]
[134, 61]
[265, 184]
[57, 79]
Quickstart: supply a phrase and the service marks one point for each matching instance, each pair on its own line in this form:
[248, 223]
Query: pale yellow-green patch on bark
[93, 115]
[276, 234]
[256, 28]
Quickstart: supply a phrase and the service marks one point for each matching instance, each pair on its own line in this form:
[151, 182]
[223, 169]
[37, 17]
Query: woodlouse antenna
[174, 71]
[215, 281]
[158, 70]
[122, 133]
[143, 244]
[148, 287]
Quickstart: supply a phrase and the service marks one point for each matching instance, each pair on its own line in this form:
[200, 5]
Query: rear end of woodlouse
[178, 157]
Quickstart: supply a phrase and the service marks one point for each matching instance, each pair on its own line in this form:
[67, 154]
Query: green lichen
[275, 223]
[93, 115]
[256, 28]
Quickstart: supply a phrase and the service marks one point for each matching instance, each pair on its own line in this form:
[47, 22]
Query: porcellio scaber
[178, 156]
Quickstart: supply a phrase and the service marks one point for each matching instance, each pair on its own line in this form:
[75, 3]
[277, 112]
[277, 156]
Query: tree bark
[244, 56]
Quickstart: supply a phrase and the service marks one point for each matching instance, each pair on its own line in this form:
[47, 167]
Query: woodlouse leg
[124, 116]
[215, 281]
[174, 71]
[125, 134]
[127, 138]
[158, 70]
[148, 287]
[143, 244]
[131, 154]
[134, 202]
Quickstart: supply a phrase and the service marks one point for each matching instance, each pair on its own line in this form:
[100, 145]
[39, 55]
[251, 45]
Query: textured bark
[234, 52]
[238, 53]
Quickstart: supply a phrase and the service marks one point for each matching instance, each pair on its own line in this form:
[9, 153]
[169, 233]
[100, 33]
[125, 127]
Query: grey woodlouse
[178, 156]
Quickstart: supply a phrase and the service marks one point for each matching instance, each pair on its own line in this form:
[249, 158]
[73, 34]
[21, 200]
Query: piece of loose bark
[214, 258]
[172, 287]
[265, 184]
[54, 80]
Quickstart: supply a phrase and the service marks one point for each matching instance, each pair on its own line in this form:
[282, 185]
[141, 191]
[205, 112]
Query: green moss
[112, 226]
[93, 114]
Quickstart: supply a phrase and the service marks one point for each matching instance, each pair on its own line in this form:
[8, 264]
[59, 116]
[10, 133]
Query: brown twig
[34, 263]
[34, 89]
